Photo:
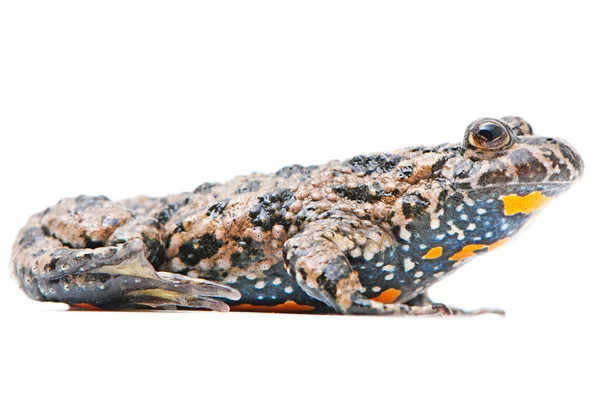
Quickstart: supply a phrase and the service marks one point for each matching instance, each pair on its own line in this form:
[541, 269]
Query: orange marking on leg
[498, 243]
[467, 252]
[286, 307]
[388, 296]
[434, 253]
[514, 204]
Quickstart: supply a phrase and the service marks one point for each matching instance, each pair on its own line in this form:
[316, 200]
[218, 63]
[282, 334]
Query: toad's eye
[488, 135]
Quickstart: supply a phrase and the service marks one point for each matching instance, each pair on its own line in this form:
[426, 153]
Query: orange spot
[286, 307]
[498, 243]
[434, 253]
[388, 296]
[514, 204]
[467, 252]
[85, 307]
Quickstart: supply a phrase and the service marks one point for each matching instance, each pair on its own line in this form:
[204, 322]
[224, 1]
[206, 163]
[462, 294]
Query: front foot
[423, 301]
[477, 312]
[363, 306]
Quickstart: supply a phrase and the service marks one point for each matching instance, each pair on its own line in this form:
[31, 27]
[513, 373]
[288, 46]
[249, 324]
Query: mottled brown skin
[340, 237]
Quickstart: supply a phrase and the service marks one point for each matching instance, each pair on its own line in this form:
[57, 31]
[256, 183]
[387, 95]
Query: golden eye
[488, 135]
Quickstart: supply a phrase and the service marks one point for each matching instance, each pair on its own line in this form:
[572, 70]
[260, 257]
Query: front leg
[318, 258]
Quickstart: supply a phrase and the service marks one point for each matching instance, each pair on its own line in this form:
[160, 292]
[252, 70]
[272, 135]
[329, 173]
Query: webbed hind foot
[121, 277]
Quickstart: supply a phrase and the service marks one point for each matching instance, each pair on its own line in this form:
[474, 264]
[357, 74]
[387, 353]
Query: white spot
[408, 264]
[456, 230]
[422, 246]
[405, 247]
[260, 297]
[490, 201]
[355, 253]
[417, 281]
[460, 208]
[464, 217]
[260, 285]
[504, 226]
[481, 211]
[477, 239]
[376, 289]
[389, 276]
[404, 234]
[488, 235]
[419, 274]
[288, 290]
[471, 227]
[389, 268]
[440, 236]
[379, 264]
[438, 274]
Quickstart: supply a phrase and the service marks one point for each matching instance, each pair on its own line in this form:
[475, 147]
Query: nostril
[550, 140]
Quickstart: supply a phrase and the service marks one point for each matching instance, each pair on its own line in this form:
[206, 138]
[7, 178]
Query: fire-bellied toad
[365, 235]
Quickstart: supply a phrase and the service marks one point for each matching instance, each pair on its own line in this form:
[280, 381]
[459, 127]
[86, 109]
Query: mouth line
[525, 184]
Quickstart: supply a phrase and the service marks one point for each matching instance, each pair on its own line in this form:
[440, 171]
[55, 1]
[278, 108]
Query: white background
[124, 98]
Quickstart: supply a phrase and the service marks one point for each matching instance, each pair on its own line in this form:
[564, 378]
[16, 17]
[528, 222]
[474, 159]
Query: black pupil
[490, 131]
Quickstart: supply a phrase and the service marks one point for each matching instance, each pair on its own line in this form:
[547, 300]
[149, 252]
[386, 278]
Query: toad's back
[366, 235]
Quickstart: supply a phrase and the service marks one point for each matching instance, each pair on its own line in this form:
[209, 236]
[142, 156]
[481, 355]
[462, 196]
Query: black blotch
[381, 163]
[271, 208]
[335, 271]
[463, 169]
[569, 154]
[192, 252]
[439, 165]
[414, 206]
[85, 202]
[91, 243]
[214, 275]
[205, 188]
[155, 251]
[496, 175]
[251, 253]
[360, 193]
[31, 236]
[109, 221]
[405, 172]
[168, 212]
[396, 231]
[218, 208]
[529, 169]
[288, 171]
[250, 186]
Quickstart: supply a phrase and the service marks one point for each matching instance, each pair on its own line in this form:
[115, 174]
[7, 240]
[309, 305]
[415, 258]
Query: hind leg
[89, 250]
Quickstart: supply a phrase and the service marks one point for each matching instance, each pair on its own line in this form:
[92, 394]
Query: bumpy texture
[365, 235]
